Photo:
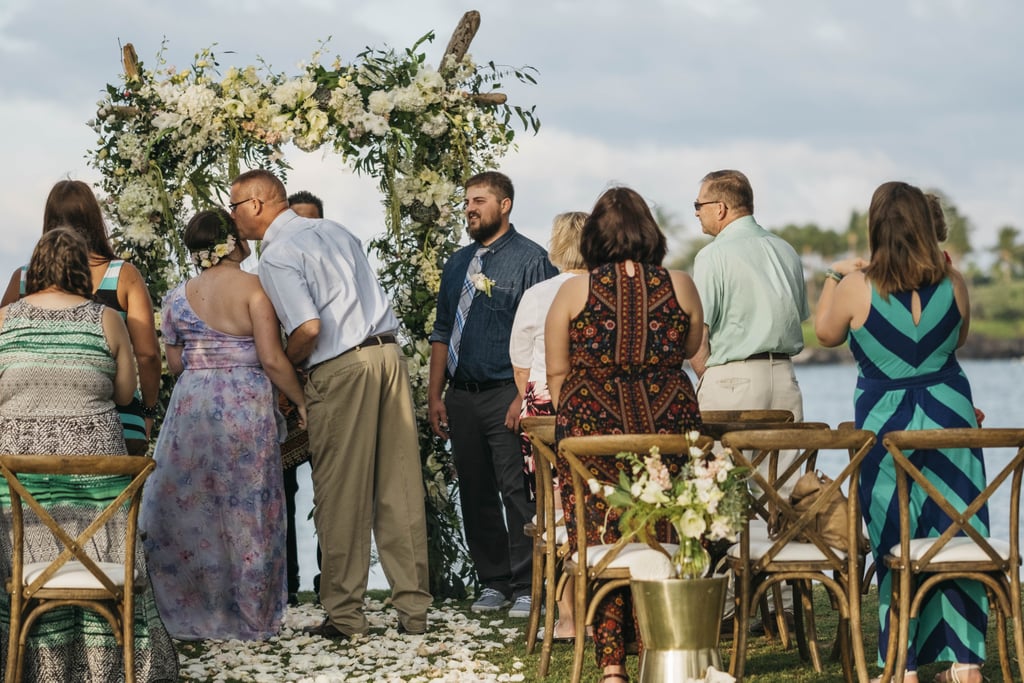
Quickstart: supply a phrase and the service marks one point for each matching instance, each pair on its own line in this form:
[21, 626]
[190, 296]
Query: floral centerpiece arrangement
[706, 501]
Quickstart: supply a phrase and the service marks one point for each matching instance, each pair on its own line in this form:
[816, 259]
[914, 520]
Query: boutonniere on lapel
[482, 283]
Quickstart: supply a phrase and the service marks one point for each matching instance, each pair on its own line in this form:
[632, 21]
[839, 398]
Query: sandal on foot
[952, 674]
[622, 677]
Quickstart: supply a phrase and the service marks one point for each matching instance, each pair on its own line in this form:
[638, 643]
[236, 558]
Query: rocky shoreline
[977, 347]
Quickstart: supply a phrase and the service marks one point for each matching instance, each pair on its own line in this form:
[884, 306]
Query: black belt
[477, 387]
[374, 340]
[768, 355]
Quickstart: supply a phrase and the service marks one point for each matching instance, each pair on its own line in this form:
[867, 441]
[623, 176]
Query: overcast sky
[818, 102]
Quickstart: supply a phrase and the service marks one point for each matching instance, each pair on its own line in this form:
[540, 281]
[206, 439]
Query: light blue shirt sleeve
[283, 280]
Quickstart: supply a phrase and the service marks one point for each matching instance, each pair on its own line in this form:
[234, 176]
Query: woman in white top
[526, 349]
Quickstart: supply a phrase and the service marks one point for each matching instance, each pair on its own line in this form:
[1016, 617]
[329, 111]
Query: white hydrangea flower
[380, 102]
[434, 125]
[294, 92]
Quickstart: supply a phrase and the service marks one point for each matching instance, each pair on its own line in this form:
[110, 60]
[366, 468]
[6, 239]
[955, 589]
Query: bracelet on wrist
[150, 412]
[833, 275]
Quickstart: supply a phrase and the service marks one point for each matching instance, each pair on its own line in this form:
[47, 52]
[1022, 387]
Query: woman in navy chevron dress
[905, 312]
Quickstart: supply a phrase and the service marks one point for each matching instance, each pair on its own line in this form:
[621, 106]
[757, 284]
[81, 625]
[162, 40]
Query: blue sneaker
[490, 600]
[520, 608]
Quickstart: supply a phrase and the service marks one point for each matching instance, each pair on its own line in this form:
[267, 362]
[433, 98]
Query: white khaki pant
[755, 385]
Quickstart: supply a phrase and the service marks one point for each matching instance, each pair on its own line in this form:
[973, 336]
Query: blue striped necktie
[462, 312]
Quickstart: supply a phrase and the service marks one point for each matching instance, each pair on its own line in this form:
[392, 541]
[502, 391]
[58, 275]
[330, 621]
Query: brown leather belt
[374, 340]
[768, 355]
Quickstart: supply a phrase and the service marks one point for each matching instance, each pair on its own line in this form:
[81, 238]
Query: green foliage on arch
[171, 140]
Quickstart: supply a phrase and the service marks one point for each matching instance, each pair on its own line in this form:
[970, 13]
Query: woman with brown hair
[214, 508]
[56, 336]
[117, 284]
[616, 339]
[905, 312]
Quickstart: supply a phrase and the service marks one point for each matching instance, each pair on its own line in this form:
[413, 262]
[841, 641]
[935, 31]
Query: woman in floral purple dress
[213, 511]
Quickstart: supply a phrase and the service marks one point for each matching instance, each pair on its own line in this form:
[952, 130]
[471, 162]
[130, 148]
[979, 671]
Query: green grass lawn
[766, 660]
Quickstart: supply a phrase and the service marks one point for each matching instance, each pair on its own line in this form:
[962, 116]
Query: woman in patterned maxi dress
[213, 511]
[616, 342]
[64, 361]
[905, 316]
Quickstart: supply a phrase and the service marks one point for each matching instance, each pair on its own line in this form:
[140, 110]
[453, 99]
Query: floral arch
[171, 141]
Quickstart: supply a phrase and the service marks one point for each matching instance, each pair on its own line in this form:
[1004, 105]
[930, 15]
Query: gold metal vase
[679, 621]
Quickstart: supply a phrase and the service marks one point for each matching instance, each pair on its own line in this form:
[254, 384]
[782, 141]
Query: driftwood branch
[460, 40]
[130, 61]
[123, 112]
[489, 98]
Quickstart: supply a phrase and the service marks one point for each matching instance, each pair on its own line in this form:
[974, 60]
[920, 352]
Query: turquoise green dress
[909, 378]
[56, 389]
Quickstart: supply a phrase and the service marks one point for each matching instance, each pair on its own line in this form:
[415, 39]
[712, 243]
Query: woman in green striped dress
[905, 312]
[64, 360]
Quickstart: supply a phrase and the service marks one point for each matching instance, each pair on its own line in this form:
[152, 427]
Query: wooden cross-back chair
[718, 422]
[760, 561]
[600, 569]
[549, 538]
[961, 551]
[73, 577]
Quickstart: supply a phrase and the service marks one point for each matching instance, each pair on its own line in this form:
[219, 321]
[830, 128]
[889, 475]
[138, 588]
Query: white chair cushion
[791, 552]
[643, 561]
[959, 549]
[561, 535]
[75, 575]
[758, 529]
[559, 516]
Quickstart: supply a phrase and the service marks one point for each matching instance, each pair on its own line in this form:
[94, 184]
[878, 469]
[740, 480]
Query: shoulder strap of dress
[23, 281]
[110, 277]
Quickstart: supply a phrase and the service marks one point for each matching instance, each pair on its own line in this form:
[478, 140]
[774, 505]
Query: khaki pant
[367, 476]
[755, 385]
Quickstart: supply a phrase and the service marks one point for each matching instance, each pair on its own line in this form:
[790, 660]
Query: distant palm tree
[1009, 254]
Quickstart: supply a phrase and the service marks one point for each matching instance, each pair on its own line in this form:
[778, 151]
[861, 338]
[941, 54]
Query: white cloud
[44, 143]
[817, 102]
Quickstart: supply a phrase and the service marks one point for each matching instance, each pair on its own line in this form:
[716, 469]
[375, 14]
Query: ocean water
[997, 385]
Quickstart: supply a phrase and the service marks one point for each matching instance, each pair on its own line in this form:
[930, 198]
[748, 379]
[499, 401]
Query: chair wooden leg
[536, 588]
[903, 617]
[579, 618]
[808, 630]
[13, 651]
[842, 647]
[129, 655]
[740, 629]
[780, 616]
[856, 637]
[550, 597]
[1001, 637]
[1018, 619]
[799, 623]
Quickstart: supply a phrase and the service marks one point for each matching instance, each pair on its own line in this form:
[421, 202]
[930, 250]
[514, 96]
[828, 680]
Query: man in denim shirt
[480, 410]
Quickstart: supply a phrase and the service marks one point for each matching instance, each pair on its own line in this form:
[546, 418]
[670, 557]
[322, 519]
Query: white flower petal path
[454, 650]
